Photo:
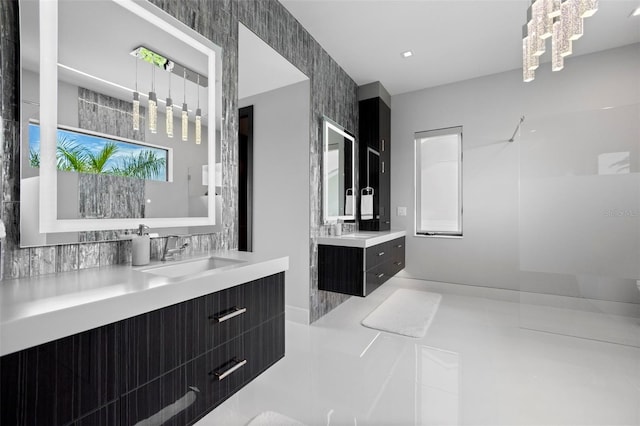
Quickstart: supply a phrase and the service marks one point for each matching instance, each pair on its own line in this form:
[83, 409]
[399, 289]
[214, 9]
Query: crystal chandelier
[560, 20]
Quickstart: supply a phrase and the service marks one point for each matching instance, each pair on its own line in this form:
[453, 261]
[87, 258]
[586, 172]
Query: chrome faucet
[170, 254]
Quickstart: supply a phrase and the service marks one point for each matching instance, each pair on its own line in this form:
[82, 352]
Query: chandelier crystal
[560, 20]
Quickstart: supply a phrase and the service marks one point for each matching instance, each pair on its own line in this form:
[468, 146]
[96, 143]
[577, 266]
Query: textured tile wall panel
[333, 93]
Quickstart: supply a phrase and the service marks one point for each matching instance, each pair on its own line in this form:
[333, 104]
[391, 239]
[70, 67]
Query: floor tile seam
[571, 336]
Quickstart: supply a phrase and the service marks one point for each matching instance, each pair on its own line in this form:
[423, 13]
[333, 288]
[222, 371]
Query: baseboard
[297, 315]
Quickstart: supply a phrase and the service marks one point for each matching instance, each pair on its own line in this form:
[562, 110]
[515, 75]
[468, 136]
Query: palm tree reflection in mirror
[84, 153]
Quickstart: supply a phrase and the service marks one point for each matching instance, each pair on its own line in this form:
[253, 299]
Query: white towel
[348, 207]
[366, 207]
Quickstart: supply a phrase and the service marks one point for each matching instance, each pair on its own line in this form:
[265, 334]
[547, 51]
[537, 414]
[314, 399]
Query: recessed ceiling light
[607, 107]
[636, 12]
[407, 54]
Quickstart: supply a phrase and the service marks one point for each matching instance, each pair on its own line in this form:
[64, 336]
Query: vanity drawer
[189, 392]
[226, 314]
[378, 254]
[186, 393]
[377, 276]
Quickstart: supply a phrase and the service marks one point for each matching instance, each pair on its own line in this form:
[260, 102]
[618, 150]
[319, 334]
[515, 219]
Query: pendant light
[185, 111]
[152, 109]
[169, 111]
[136, 102]
[198, 116]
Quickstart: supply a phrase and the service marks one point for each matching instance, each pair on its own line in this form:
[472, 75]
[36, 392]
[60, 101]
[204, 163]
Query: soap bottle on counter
[140, 246]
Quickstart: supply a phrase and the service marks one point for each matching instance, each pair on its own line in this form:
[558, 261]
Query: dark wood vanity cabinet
[359, 271]
[375, 161]
[171, 366]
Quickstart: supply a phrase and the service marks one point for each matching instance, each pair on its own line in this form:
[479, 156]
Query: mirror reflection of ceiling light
[136, 104]
[185, 111]
[169, 112]
[152, 106]
[159, 61]
[560, 20]
[407, 54]
[198, 117]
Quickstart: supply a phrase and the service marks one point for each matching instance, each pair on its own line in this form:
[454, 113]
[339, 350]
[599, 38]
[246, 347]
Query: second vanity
[160, 344]
[358, 263]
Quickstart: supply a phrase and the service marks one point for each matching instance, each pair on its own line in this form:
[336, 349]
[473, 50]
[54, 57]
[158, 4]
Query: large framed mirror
[120, 117]
[338, 165]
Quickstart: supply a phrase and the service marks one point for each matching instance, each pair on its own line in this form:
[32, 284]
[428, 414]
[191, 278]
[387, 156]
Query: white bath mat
[271, 418]
[405, 312]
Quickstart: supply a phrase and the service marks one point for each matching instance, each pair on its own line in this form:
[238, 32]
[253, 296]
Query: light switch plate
[402, 211]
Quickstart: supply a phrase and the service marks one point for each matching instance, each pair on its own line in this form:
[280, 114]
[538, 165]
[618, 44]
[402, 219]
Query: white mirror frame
[330, 125]
[48, 198]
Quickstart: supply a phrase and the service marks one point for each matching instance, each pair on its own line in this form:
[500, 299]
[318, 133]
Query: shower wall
[555, 212]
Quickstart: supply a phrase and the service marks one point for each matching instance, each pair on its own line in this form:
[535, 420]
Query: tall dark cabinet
[375, 163]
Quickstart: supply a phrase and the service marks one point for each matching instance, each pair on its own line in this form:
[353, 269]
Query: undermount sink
[191, 267]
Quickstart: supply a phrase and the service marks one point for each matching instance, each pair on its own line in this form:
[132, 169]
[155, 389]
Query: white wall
[281, 186]
[513, 232]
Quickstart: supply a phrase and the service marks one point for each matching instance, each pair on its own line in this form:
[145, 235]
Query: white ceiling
[452, 40]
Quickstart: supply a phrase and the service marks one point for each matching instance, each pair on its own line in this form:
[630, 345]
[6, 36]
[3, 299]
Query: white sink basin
[361, 235]
[191, 267]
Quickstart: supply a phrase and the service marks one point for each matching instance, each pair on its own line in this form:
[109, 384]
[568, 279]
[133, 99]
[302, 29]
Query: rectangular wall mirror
[120, 116]
[339, 192]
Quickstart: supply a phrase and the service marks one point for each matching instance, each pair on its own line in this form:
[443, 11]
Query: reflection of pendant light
[185, 111]
[136, 103]
[198, 116]
[169, 111]
[152, 110]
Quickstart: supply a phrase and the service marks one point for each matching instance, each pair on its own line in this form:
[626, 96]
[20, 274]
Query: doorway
[245, 178]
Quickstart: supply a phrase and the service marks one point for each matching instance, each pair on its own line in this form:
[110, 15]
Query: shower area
[579, 219]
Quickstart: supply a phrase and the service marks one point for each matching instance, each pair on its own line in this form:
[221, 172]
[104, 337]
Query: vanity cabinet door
[341, 269]
[60, 382]
[153, 344]
[375, 160]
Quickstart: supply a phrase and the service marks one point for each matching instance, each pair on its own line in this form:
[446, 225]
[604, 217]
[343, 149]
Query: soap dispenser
[140, 246]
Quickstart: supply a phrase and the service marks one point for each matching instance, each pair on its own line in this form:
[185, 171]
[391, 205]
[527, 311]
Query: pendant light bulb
[136, 110]
[136, 102]
[198, 116]
[169, 112]
[185, 123]
[185, 110]
[152, 109]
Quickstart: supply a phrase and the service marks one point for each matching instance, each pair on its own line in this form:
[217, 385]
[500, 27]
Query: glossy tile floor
[477, 365]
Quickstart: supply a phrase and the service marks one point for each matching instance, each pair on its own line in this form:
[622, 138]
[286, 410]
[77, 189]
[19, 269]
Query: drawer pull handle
[381, 253]
[381, 275]
[399, 246]
[234, 313]
[238, 364]
[398, 263]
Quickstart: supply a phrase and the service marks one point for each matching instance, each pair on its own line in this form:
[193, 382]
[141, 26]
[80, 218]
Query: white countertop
[45, 308]
[362, 239]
